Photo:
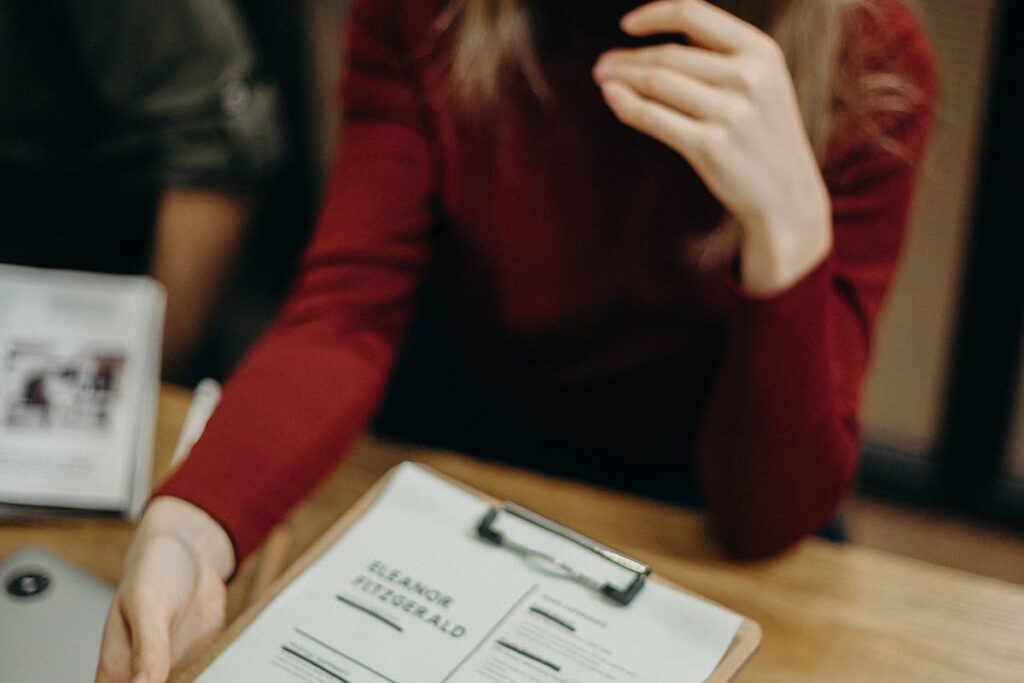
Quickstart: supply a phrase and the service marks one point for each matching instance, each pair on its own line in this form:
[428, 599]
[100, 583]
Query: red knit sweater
[557, 241]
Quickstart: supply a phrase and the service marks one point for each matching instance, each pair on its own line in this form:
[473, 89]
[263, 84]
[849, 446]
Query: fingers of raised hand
[707, 66]
[671, 87]
[656, 97]
[690, 72]
[705, 24]
[678, 131]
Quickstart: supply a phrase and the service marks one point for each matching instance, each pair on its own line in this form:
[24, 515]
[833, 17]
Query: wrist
[207, 539]
[778, 252]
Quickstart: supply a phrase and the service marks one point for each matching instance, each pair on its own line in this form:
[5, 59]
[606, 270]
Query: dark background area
[284, 221]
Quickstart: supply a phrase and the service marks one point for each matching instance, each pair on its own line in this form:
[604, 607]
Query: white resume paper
[410, 594]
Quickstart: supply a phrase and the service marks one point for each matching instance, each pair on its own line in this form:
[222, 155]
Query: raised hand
[727, 104]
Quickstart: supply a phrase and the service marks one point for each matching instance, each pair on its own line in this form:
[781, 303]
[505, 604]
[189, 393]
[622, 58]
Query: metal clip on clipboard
[624, 595]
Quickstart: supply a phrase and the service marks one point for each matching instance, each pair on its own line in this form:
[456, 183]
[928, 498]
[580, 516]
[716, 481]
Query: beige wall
[906, 389]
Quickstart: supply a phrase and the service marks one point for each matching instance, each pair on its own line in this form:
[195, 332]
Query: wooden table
[829, 612]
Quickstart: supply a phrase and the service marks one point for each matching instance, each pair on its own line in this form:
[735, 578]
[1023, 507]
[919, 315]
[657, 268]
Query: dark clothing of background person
[105, 103]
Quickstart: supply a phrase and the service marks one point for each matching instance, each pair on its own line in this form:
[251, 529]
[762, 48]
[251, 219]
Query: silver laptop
[51, 619]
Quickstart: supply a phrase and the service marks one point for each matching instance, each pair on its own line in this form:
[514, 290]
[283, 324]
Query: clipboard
[745, 643]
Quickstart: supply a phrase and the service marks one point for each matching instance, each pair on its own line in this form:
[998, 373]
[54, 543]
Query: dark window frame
[969, 470]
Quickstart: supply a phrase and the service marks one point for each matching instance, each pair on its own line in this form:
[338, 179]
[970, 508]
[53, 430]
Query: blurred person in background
[134, 138]
[658, 255]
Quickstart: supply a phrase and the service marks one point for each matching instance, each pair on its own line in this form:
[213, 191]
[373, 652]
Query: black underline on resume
[529, 655]
[551, 617]
[491, 632]
[307, 660]
[342, 654]
[367, 610]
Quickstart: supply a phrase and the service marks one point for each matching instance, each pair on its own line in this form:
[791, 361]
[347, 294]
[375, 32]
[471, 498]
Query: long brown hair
[493, 45]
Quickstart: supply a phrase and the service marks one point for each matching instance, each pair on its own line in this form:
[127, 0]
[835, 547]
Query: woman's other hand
[727, 104]
[171, 600]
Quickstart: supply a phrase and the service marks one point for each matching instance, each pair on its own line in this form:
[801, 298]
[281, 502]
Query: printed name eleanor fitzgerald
[430, 606]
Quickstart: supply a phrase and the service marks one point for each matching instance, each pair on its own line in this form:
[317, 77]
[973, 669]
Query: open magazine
[79, 378]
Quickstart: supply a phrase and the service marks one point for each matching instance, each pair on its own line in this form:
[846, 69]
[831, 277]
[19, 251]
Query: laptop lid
[51, 619]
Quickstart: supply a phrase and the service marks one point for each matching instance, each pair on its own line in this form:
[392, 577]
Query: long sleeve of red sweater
[306, 391]
[547, 255]
[779, 441]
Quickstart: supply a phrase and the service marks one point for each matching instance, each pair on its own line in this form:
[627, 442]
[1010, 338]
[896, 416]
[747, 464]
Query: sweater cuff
[185, 484]
[745, 304]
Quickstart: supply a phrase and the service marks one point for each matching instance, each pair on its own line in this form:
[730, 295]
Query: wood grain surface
[828, 612]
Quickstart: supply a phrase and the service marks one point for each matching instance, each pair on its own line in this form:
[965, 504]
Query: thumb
[151, 649]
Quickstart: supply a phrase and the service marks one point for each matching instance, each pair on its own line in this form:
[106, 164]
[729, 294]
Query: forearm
[290, 412]
[778, 441]
[197, 236]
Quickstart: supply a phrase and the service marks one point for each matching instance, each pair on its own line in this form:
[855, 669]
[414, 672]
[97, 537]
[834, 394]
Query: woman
[673, 267]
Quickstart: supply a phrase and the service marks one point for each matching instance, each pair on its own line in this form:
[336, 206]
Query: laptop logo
[28, 583]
